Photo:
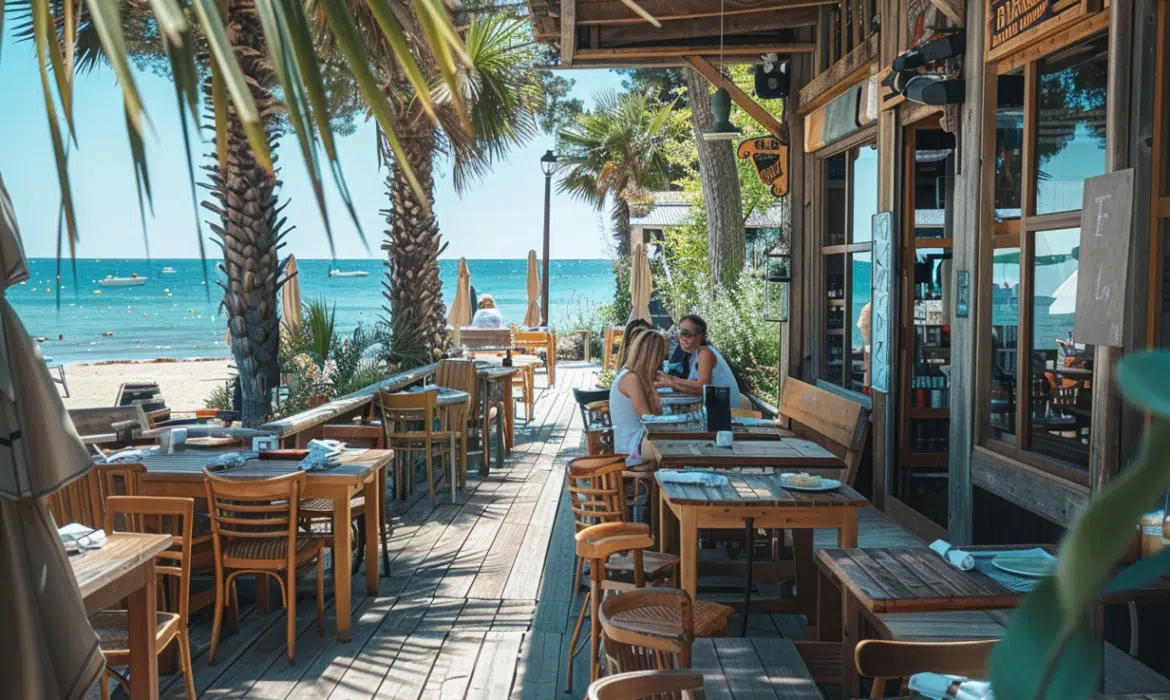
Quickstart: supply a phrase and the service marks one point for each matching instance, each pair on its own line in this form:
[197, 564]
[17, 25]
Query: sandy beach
[184, 383]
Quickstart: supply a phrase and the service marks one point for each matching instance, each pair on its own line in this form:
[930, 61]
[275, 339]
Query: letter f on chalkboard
[1102, 215]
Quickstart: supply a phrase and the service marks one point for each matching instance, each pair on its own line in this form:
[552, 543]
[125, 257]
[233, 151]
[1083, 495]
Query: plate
[826, 485]
[1025, 564]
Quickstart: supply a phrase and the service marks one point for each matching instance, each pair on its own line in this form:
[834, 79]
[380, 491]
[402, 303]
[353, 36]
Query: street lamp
[548, 164]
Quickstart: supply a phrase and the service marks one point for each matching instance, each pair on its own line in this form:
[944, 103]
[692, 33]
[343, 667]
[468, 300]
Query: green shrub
[221, 396]
[736, 327]
[605, 379]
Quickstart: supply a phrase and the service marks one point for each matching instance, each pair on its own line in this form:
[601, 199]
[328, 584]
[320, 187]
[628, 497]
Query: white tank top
[720, 375]
[627, 424]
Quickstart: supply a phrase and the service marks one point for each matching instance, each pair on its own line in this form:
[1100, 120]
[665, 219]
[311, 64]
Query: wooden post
[801, 69]
[568, 31]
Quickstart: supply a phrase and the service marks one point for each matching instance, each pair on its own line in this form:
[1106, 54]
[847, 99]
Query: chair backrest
[486, 338]
[119, 480]
[79, 501]
[530, 340]
[405, 408]
[98, 421]
[886, 661]
[649, 685]
[254, 509]
[834, 422]
[648, 629]
[584, 397]
[596, 491]
[461, 375]
[160, 515]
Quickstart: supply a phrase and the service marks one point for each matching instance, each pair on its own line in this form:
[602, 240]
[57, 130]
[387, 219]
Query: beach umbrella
[532, 316]
[640, 285]
[50, 651]
[290, 294]
[460, 313]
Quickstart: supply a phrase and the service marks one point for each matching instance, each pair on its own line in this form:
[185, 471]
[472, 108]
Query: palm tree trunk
[418, 316]
[621, 227]
[244, 197]
[726, 242]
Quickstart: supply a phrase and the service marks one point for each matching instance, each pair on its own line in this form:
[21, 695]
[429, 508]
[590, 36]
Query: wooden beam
[1050, 497]
[753, 50]
[613, 12]
[706, 27]
[857, 64]
[762, 116]
[568, 31]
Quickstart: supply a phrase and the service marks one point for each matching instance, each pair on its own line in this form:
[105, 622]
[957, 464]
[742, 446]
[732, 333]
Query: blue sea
[176, 315]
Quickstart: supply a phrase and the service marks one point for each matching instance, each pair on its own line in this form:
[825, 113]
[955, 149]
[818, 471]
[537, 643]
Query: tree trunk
[244, 198]
[725, 230]
[418, 316]
[621, 227]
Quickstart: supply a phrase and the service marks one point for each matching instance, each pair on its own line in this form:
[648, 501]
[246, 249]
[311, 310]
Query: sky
[500, 217]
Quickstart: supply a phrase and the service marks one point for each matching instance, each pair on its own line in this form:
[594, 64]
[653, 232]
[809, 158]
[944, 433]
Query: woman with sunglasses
[707, 366]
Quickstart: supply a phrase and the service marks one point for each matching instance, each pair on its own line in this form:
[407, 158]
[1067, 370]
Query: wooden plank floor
[478, 604]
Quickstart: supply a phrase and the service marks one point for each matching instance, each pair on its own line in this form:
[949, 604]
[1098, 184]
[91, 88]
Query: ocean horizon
[176, 315]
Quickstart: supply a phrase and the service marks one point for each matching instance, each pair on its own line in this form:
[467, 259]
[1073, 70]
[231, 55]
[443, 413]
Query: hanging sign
[770, 158]
[879, 327]
[1010, 18]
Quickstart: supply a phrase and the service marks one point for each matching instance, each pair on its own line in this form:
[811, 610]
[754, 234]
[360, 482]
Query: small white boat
[351, 273]
[168, 270]
[132, 281]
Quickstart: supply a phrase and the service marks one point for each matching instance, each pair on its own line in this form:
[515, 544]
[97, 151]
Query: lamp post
[548, 163]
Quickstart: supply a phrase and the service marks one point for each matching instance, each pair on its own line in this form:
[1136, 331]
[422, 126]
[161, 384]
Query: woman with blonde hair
[633, 328]
[488, 315]
[633, 395]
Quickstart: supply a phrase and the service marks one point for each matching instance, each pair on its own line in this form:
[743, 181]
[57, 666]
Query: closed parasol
[532, 316]
[290, 294]
[640, 285]
[460, 313]
[48, 648]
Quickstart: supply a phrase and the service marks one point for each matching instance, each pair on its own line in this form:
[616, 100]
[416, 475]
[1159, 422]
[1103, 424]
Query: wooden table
[449, 399]
[689, 431]
[754, 498]
[124, 569]
[783, 453]
[489, 378]
[360, 471]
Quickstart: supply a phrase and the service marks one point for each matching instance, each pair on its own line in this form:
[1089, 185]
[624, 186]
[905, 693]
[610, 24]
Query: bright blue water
[175, 315]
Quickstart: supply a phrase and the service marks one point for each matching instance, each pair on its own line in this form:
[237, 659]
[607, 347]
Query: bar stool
[652, 629]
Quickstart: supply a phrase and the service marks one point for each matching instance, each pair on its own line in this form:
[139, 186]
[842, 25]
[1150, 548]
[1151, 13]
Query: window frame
[1160, 187]
[1019, 233]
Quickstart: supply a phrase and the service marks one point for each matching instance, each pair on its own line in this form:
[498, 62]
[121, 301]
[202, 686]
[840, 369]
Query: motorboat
[168, 270]
[132, 281]
[348, 273]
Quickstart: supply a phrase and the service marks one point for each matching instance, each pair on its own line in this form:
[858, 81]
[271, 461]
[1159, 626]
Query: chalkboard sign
[1104, 259]
[883, 276]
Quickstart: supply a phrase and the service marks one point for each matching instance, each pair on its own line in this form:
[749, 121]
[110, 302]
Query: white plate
[1026, 563]
[826, 485]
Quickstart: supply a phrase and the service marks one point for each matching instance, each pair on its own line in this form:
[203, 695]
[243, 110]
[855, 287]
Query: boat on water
[168, 270]
[132, 281]
[348, 273]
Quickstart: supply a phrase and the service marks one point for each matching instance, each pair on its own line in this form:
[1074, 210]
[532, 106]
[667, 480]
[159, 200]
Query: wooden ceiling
[612, 34]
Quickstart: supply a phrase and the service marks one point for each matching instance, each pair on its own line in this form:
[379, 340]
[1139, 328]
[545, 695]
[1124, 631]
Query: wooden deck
[479, 601]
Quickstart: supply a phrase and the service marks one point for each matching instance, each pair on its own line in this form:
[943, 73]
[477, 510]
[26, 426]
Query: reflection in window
[1005, 331]
[1070, 129]
[864, 192]
[933, 182]
[859, 298]
[835, 200]
[1009, 145]
[1165, 330]
[834, 350]
[1061, 371]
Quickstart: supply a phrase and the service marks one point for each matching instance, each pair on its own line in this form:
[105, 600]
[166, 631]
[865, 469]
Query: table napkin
[700, 478]
[231, 460]
[937, 686]
[130, 455]
[956, 557]
[753, 422]
[322, 454]
[79, 538]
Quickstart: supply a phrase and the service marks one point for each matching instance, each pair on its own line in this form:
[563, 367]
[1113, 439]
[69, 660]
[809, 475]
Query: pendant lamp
[721, 128]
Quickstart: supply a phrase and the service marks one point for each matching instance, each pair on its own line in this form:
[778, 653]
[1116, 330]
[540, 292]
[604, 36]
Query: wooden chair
[652, 629]
[649, 685]
[79, 501]
[462, 375]
[413, 424]
[254, 530]
[536, 341]
[886, 662]
[612, 349]
[594, 407]
[148, 514]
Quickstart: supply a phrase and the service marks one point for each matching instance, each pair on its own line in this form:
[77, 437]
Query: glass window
[860, 285]
[1060, 370]
[835, 201]
[1005, 330]
[1070, 123]
[864, 193]
[933, 183]
[1009, 145]
[1164, 341]
[834, 350]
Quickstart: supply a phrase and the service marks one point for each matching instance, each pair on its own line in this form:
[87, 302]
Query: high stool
[652, 629]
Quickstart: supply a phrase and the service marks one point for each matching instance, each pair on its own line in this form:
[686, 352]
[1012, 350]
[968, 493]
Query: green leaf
[392, 30]
[1140, 573]
[44, 26]
[107, 20]
[41, 38]
[1039, 646]
[176, 36]
[444, 42]
[1144, 380]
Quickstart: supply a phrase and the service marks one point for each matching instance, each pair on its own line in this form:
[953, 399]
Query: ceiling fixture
[721, 128]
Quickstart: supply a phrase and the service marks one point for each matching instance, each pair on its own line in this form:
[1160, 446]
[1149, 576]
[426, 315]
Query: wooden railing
[843, 27]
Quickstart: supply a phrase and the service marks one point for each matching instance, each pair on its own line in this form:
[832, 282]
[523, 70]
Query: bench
[111, 424]
[833, 422]
[757, 667]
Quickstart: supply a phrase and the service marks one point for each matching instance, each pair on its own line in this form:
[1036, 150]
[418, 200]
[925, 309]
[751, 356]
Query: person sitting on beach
[633, 328]
[707, 366]
[632, 394]
[488, 316]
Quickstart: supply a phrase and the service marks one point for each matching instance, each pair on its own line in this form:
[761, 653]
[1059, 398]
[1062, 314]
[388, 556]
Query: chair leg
[430, 474]
[573, 641]
[320, 595]
[578, 571]
[594, 623]
[104, 684]
[217, 620]
[749, 543]
[289, 587]
[185, 663]
[359, 551]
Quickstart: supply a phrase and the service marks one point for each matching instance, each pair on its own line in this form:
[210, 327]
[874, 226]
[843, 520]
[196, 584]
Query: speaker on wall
[772, 79]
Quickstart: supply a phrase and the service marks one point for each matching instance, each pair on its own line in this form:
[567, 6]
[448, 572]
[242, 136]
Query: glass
[1005, 333]
[933, 183]
[1009, 145]
[1070, 123]
[860, 287]
[835, 200]
[863, 190]
[834, 351]
[1060, 371]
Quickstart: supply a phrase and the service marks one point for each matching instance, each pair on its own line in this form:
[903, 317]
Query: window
[1050, 136]
[850, 199]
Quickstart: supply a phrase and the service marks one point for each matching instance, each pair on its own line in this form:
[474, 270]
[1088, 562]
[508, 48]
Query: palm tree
[501, 96]
[617, 152]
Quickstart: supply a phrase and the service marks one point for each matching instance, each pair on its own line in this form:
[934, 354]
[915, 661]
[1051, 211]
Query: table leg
[342, 556]
[509, 417]
[806, 573]
[452, 453]
[667, 528]
[484, 466]
[143, 614]
[847, 535]
[373, 533]
[688, 535]
[383, 523]
[828, 628]
[851, 612]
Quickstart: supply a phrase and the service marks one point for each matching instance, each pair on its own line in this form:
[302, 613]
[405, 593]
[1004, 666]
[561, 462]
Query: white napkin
[130, 455]
[78, 537]
[322, 453]
[957, 557]
[231, 460]
[937, 686]
[701, 478]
